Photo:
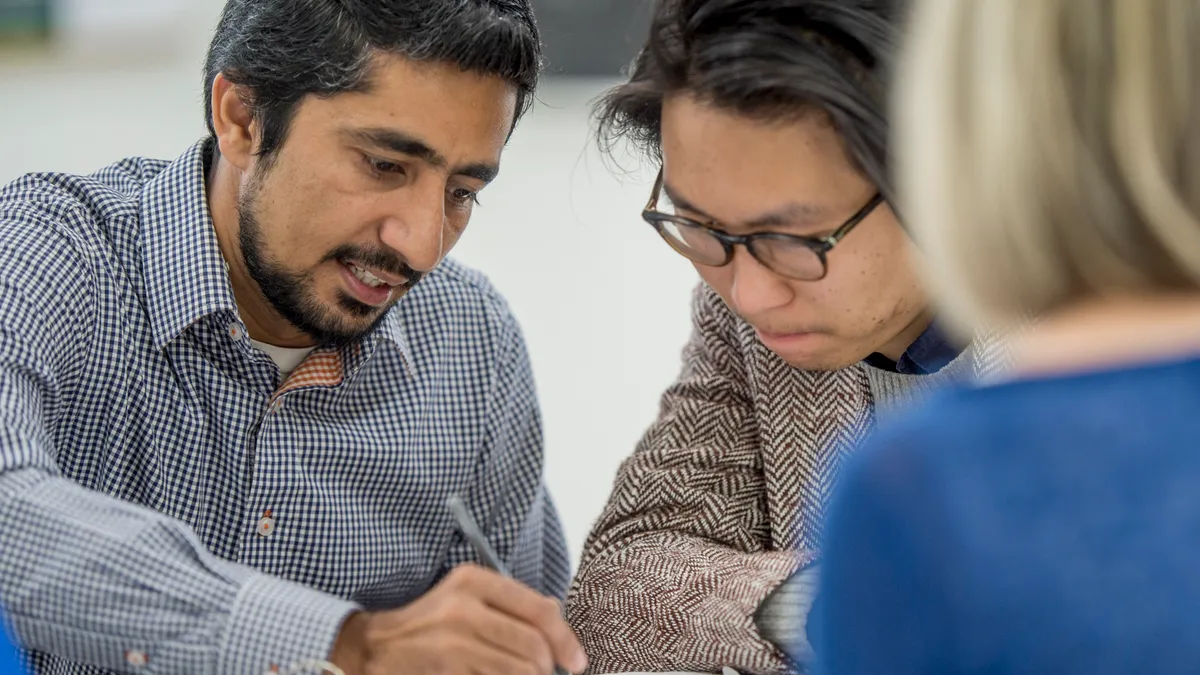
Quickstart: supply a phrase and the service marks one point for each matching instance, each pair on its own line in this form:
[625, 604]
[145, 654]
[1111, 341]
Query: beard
[293, 294]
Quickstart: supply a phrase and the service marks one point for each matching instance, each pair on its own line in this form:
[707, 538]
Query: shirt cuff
[783, 619]
[280, 623]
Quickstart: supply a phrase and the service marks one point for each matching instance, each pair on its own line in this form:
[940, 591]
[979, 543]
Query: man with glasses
[767, 118]
[793, 256]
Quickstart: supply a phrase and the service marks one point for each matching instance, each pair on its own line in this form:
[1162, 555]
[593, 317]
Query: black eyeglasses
[792, 256]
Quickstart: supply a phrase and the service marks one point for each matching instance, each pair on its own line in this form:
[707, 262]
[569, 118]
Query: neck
[1109, 333]
[262, 321]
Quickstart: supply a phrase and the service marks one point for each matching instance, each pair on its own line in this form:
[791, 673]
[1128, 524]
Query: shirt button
[276, 405]
[266, 525]
[236, 332]
[136, 658]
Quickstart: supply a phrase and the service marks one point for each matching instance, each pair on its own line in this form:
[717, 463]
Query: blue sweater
[1044, 526]
[9, 665]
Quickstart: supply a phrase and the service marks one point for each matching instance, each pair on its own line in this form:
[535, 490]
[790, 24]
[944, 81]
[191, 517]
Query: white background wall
[603, 302]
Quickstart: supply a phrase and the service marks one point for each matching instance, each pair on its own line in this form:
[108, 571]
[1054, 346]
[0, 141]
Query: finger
[522, 602]
[484, 659]
[513, 636]
[448, 652]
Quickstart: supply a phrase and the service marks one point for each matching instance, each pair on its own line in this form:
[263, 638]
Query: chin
[825, 360]
[819, 364]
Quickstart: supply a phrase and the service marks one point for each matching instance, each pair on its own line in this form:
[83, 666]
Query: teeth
[366, 277]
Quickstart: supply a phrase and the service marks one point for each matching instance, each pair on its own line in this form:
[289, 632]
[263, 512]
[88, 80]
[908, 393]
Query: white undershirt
[287, 358]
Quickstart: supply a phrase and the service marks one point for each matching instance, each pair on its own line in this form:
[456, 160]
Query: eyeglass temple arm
[658, 183]
[854, 220]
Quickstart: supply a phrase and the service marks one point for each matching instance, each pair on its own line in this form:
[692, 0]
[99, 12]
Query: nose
[415, 224]
[756, 290]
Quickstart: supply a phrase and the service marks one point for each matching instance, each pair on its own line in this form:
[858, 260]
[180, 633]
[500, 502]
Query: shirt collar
[391, 329]
[186, 277]
[931, 352]
[928, 354]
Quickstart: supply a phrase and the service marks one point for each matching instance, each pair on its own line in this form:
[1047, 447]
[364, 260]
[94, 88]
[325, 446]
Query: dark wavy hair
[284, 50]
[765, 59]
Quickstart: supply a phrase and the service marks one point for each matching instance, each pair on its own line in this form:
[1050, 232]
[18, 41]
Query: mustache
[383, 259]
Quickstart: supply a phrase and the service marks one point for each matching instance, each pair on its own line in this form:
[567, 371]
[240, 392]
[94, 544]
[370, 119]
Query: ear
[233, 123]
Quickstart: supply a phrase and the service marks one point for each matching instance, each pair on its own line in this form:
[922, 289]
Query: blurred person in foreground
[768, 119]
[1047, 522]
[237, 388]
[9, 663]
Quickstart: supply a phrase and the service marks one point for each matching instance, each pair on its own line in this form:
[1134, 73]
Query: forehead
[724, 159]
[462, 113]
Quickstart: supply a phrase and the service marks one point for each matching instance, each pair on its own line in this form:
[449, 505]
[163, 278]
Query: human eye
[382, 168]
[464, 197]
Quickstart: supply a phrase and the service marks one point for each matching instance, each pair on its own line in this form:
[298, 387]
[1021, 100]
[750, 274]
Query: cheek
[877, 284]
[720, 279]
[858, 282]
[301, 217]
[299, 239]
[277, 204]
[286, 234]
[452, 231]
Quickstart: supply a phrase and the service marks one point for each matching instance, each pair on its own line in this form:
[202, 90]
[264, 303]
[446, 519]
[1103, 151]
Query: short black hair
[284, 50]
[765, 59]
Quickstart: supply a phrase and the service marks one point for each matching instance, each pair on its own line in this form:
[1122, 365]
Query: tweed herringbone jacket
[721, 501]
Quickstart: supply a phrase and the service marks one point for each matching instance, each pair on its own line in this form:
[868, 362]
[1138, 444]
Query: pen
[474, 535]
[470, 530]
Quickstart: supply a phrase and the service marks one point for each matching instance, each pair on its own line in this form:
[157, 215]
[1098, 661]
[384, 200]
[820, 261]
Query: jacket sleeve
[677, 566]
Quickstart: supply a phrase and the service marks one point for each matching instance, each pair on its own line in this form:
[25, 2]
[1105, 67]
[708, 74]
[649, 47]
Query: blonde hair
[1048, 151]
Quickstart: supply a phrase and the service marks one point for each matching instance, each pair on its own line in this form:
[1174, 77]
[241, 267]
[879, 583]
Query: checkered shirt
[170, 504]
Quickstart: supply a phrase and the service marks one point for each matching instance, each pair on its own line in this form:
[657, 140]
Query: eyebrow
[792, 213]
[407, 144]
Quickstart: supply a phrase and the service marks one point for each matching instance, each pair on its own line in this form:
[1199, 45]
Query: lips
[780, 335]
[372, 276]
[366, 277]
[369, 286]
[782, 342]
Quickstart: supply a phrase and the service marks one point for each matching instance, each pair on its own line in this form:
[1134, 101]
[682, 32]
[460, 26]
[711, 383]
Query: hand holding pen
[470, 530]
[476, 620]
